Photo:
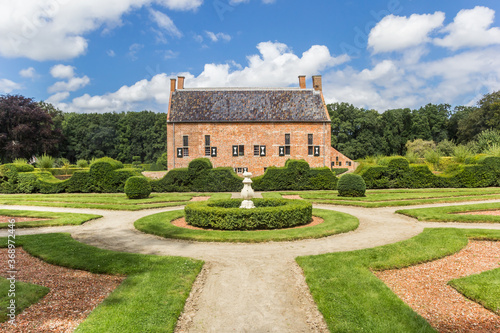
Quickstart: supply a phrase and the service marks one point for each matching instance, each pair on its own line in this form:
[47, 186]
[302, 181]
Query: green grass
[149, 300]
[449, 213]
[483, 288]
[25, 295]
[111, 201]
[396, 197]
[352, 299]
[55, 219]
[159, 224]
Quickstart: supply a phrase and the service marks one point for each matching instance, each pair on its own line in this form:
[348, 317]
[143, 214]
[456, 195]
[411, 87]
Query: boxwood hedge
[351, 185]
[400, 174]
[268, 214]
[296, 175]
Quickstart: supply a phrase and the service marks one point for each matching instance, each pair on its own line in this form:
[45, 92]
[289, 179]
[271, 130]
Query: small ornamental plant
[137, 187]
[351, 185]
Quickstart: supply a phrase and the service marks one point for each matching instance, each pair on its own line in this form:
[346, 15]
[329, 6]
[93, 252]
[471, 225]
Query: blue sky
[118, 55]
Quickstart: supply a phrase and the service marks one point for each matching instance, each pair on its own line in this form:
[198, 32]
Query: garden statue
[247, 191]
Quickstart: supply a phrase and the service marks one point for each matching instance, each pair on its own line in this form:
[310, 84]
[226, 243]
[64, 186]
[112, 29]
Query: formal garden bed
[150, 298]
[349, 295]
[161, 225]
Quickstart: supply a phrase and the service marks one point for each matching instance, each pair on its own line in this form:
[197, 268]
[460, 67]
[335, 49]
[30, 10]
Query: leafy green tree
[485, 116]
[396, 131]
[459, 114]
[355, 132]
[419, 147]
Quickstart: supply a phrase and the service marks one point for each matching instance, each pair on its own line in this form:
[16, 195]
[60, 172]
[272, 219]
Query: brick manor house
[250, 128]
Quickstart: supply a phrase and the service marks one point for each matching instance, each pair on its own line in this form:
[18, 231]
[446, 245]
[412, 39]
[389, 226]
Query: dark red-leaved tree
[26, 129]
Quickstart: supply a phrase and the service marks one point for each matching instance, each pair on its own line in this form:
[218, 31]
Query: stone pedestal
[247, 192]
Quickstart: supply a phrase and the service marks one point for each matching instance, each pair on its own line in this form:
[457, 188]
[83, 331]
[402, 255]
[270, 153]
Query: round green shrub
[268, 214]
[137, 187]
[351, 185]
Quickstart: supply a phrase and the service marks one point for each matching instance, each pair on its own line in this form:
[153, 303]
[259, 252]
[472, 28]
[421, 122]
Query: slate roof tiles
[252, 105]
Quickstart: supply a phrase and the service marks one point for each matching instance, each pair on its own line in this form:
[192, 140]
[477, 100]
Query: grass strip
[483, 288]
[108, 201]
[352, 299]
[26, 294]
[55, 219]
[160, 225]
[149, 300]
[450, 213]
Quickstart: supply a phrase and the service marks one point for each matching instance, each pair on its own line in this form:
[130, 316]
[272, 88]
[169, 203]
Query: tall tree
[485, 116]
[396, 131]
[26, 129]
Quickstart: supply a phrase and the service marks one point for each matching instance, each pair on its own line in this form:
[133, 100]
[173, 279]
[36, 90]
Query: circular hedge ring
[137, 187]
[268, 214]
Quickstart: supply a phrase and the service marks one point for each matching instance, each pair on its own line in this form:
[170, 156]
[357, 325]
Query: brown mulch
[73, 294]
[292, 197]
[7, 219]
[181, 223]
[482, 212]
[424, 288]
[199, 198]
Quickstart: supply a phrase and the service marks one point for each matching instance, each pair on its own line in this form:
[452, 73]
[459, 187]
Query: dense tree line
[28, 128]
[358, 132]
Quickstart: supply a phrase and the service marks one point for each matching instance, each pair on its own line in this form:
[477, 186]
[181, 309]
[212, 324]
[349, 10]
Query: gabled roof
[247, 105]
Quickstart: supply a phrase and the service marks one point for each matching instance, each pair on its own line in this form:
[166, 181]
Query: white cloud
[395, 33]
[165, 22]
[111, 53]
[29, 73]
[57, 97]
[456, 79]
[471, 28]
[275, 66]
[215, 37]
[7, 86]
[62, 71]
[54, 29]
[72, 84]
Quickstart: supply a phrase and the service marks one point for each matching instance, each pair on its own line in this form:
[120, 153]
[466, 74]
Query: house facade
[250, 128]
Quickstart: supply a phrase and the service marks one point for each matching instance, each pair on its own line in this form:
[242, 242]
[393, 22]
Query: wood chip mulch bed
[7, 219]
[199, 198]
[424, 288]
[297, 197]
[181, 223]
[73, 294]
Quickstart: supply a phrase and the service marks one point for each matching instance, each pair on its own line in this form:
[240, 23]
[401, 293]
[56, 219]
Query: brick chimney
[302, 81]
[180, 82]
[172, 85]
[317, 85]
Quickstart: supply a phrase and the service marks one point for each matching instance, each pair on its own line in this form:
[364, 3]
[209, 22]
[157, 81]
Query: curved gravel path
[246, 287]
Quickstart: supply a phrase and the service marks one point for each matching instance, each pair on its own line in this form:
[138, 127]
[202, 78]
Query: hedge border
[268, 214]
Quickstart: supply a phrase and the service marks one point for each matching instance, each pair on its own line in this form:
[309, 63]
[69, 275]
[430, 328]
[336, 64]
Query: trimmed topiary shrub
[351, 185]
[137, 187]
[268, 214]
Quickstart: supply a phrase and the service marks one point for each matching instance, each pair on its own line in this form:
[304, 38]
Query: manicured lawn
[56, 219]
[396, 197]
[449, 213]
[112, 201]
[26, 294]
[484, 288]
[352, 299]
[149, 300]
[159, 224]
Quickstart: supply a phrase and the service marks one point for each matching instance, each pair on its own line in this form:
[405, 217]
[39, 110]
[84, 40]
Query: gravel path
[246, 287]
